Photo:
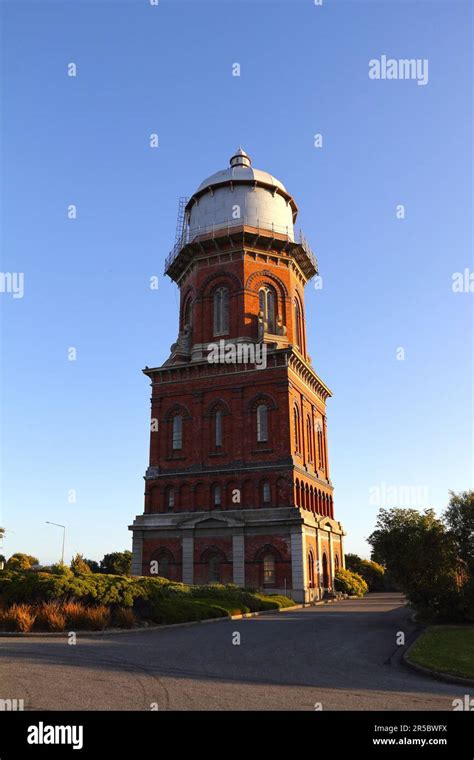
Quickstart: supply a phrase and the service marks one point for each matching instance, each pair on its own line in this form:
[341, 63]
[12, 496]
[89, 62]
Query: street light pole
[64, 536]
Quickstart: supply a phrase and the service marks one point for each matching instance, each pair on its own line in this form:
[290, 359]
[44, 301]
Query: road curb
[435, 674]
[145, 629]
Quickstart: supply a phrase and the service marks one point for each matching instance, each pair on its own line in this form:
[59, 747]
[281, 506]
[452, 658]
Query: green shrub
[281, 601]
[149, 598]
[168, 611]
[372, 573]
[350, 583]
[229, 606]
[256, 602]
[79, 565]
[88, 587]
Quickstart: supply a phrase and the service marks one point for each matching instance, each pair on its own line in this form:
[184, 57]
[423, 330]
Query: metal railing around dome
[218, 228]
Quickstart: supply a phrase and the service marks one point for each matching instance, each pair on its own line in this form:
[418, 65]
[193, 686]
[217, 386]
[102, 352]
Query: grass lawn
[448, 649]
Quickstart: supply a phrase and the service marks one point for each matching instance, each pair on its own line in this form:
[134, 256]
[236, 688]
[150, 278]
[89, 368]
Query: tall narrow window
[296, 425]
[269, 570]
[221, 311]
[298, 327]
[267, 305]
[177, 432]
[216, 495]
[218, 427]
[266, 492]
[170, 497]
[262, 423]
[310, 439]
[214, 569]
[310, 569]
[188, 313]
[320, 447]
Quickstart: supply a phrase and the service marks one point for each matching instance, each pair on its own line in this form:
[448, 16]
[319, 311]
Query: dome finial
[240, 158]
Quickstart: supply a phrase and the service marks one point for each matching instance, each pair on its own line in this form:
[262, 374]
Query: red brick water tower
[238, 487]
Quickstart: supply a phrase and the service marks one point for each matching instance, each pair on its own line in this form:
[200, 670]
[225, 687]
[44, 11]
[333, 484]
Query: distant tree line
[115, 563]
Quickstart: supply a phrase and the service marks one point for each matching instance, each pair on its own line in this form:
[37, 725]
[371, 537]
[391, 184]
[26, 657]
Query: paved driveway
[342, 655]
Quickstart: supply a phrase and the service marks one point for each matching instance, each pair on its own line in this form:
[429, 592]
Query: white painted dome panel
[258, 206]
[246, 173]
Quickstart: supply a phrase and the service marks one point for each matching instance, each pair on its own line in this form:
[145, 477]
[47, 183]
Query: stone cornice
[276, 358]
[224, 242]
[300, 367]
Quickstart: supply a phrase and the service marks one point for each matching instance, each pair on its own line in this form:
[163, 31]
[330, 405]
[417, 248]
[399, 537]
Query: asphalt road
[343, 656]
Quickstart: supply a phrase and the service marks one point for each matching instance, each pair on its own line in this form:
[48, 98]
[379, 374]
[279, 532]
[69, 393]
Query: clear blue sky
[141, 69]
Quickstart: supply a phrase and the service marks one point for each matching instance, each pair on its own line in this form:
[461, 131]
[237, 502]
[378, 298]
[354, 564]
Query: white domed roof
[262, 199]
[240, 169]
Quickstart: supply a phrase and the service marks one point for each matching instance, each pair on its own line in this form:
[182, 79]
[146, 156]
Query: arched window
[310, 569]
[214, 569]
[296, 425]
[221, 311]
[164, 558]
[216, 495]
[298, 326]
[177, 432]
[266, 494]
[325, 571]
[188, 313]
[170, 497]
[269, 570]
[218, 427]
[262, 423]
[336, 562]
[267, 305]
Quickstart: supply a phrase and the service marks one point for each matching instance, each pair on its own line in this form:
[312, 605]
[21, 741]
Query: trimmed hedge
[146, 598]
[168, 611]
[90, 588]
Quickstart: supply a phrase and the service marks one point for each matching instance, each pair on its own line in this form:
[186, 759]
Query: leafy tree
[60, 568]
[94, 566]
[79, 565]
[372, 573]
[459, 517]
[117, 563]
[353, 562]
[19, 562]
[420, 555]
